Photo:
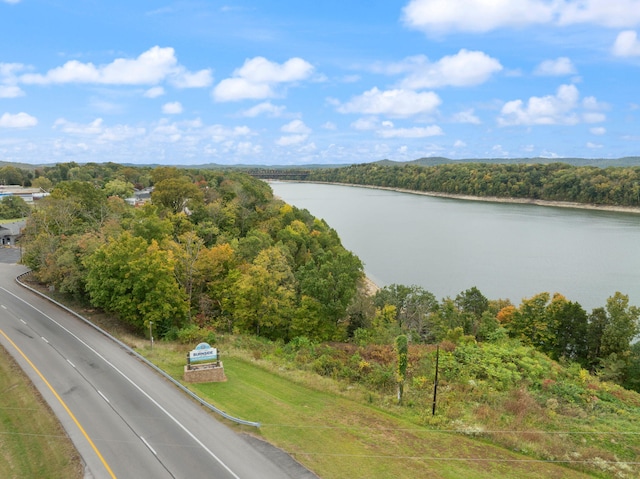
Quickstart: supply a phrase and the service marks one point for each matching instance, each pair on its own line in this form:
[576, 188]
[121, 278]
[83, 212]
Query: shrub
[194, 334]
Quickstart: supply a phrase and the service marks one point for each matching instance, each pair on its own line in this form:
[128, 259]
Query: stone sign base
[204, 373]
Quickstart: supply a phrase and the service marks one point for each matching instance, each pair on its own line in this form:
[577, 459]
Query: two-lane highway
[125, 420]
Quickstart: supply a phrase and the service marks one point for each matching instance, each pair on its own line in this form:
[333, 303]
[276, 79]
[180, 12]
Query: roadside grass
[339, 429]
[337, 435]
[32, 441]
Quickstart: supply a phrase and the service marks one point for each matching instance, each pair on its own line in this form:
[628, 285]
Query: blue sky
[302, 82]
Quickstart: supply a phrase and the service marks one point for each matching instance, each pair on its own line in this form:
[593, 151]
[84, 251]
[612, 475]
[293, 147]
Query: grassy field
[337, 436]
[32, 442]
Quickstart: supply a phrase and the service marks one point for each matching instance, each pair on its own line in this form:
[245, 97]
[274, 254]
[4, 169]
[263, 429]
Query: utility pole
[151, 333]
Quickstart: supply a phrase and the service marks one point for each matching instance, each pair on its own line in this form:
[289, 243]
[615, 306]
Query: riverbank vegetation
[214, 257]
[612, 186]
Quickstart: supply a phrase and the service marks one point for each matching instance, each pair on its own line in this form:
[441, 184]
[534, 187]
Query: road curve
[125, 420]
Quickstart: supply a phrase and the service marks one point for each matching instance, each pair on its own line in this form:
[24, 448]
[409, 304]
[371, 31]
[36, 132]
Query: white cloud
[9, 70]
[467, 116]
[185, 79]
[465, 68]
[266, 108]
[479, 16]
[149, 68]
[395, 103]
[234, 89]
[329, 125]
[296, 126]
[9, 79]
[291, 140]
[172, 108]
[10, 91]
[474, 15]
[559, 67]
[547, 110]
[93, 128]
[299, 132]
[154, 92]
[11, 1]
[221, 133]
[19, 120]
[593, 117]
[259, 77]
[459, 144]
[363, 124]
[120, 133]
[627, 44]
[97, 130]
[415, 132]
[598, 130]
[593, 145]
[608, 13]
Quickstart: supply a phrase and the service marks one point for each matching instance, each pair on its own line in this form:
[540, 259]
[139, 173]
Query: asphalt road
[126, 420]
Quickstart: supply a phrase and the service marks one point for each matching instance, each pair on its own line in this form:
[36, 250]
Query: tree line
[601, 341]
[618, 186]
[212, 249]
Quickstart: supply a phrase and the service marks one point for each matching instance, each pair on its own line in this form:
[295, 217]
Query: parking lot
[9, 254]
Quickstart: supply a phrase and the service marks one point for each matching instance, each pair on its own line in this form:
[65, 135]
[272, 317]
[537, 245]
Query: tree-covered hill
[619, 186]
[212, 249]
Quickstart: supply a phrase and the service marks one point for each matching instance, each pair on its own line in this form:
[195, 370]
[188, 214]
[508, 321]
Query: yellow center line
[66, 408]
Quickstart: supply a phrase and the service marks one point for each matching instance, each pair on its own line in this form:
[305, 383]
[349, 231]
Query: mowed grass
[33, 444]
[339, 437]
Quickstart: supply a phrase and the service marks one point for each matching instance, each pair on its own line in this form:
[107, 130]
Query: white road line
[72, 365]
[23, 322]
[127, 378]
[3, 306]
[149, 446]
[103, 396]
[44, 339]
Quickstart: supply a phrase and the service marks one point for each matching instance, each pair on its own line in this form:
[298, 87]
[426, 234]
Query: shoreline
[491, 199]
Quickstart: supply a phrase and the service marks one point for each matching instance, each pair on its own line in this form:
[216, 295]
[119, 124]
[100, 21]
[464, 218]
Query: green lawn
[337, 437]
[32, 441]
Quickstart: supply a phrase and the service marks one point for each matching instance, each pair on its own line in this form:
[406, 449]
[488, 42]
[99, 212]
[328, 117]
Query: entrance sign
[203, 352]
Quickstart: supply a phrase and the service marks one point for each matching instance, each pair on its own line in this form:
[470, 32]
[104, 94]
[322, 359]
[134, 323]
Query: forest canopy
[211, 249]
[612, 186]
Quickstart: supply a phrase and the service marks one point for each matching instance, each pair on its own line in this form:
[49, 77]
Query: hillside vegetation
[213, 256]
[552, 182]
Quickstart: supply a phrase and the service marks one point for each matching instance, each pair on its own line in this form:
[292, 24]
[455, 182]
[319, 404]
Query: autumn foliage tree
[136, 280]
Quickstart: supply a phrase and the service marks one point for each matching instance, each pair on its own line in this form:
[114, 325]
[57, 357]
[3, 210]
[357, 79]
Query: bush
[193, 334]
[327, 365]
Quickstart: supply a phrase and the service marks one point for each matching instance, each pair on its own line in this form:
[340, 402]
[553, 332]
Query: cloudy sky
[301, 82]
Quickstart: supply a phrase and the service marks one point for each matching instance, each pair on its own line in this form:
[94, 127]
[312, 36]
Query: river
[509, 251]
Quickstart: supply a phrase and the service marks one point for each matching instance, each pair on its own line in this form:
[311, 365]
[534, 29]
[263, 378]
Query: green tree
[402, 351]
[43, 183]
[332, 280]
[118, 188]
[264, 297]
[622, 325]
[531, 324]
[13, 207]
[89, 202]
[571, 322]
[136, 280]
[176, 194]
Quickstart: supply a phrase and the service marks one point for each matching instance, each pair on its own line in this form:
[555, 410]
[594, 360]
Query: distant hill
[430, 161]
[599, 162]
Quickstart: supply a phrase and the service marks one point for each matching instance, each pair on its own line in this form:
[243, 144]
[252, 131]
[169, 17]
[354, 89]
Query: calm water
[505, 250]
